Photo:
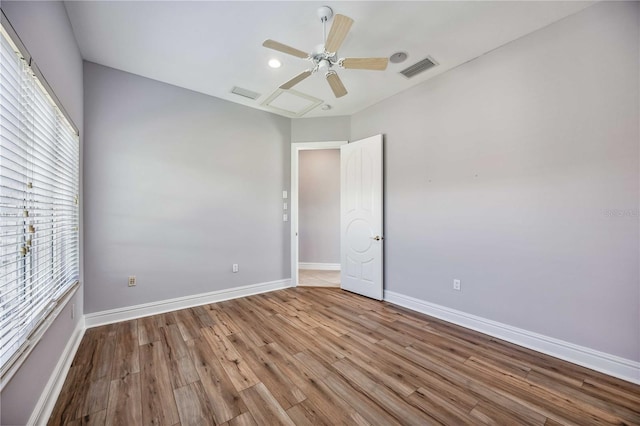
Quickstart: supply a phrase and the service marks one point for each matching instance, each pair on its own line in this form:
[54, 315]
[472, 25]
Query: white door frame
[293, 212]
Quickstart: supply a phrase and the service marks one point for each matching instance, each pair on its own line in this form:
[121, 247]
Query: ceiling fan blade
[295, 80]
[339, 30]
[272, 44]
[377, 64]
[336, 84]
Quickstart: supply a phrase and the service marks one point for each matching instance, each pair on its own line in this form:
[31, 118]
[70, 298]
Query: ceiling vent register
[418, 67]
[245, 93]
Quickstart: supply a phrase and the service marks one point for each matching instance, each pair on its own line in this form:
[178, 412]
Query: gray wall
[321, 129]
[319, 206]
[503, 173]
[46, 32]
[178, 187]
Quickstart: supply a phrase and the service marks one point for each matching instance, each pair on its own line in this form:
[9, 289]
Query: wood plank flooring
[316, 356]
[318, 278]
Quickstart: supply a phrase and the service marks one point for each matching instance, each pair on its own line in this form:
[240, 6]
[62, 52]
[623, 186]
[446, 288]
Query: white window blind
[39, 217]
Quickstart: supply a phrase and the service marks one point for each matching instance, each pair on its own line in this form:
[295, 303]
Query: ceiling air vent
[419, 67]
[245, 93]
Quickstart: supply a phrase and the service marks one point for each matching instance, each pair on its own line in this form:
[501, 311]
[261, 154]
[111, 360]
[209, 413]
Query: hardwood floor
[317, 278]
[324, 356]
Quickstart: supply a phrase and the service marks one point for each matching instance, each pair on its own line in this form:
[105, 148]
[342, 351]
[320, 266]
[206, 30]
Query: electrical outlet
[235, 267]
[456, 285]
[132, 280]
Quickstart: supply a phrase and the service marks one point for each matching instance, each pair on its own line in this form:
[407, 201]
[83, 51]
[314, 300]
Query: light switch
[284, 206]
[285, 195]
[285, 217]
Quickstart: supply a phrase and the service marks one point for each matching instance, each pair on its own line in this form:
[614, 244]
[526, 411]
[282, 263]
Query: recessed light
[274, 63]
[325, 107]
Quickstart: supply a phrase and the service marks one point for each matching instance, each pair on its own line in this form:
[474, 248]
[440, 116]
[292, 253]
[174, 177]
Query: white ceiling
[212, 46]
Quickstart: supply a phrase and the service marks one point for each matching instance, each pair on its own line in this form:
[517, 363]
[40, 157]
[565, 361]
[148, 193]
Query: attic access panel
[291, 102]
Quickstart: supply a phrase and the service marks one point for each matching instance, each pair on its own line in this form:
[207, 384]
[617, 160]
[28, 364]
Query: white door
[361, 217]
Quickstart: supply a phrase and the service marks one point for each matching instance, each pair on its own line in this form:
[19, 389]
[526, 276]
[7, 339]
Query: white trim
[613, 365]
[35, 336]
[47, 401]
[293, 215]
[319, 266]
[137, 311]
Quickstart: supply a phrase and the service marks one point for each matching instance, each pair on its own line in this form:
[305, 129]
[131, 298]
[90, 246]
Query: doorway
[315, 215]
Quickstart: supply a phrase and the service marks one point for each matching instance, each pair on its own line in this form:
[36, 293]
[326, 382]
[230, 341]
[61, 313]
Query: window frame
[62, 298]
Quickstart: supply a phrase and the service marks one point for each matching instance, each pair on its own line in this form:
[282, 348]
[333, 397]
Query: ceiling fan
[325, 56]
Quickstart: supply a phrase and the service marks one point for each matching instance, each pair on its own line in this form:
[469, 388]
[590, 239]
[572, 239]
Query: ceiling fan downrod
[324, 13]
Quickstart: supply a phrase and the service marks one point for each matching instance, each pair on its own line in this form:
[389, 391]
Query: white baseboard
[319, 266]
[606, 363]
[42, 411]
[154, 308]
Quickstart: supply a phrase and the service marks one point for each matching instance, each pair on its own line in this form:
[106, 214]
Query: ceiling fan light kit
[323, 66]
[325, 57]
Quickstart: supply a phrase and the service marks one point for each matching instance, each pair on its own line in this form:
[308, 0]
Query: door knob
[377, 238]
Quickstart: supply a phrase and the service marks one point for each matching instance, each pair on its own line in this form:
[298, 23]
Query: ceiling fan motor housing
[321, 59]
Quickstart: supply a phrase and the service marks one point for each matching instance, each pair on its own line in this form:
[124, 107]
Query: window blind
[39, 215]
